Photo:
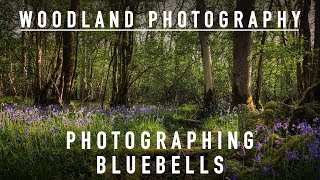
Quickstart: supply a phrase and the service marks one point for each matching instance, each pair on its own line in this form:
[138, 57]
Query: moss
[248, 120]
[274, 137]
[306, 112]
[250, 103]
[293, 143]
[272, 105]
[233, 166]
[231, 159]
[18, 98]
[269, 116]
[137, 173]
[311, 94]
[273, 111]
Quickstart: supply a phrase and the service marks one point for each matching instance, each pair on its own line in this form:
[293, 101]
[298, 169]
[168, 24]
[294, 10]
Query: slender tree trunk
[39, 59]
[104, 90]
[260, 67]
[208, 99]
[114, 77]
[299, 78]
[125, 60]
[68, 63]
[24, 36]
[11, 76]
[316, 67]
[83, 73]
[242, 67]
[305, 28]
[260, 72]
[24, 54]
[74, 74]
[38, 85]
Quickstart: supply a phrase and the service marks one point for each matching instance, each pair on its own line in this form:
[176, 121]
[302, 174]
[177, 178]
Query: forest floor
[33, 141]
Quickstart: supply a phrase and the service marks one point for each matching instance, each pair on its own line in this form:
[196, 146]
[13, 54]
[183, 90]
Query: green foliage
[16, 100]
[219, 123]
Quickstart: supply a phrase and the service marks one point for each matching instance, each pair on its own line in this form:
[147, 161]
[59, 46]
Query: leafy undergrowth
[33, 141]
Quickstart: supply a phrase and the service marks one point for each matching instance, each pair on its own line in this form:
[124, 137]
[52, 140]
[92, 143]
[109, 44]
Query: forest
[53, 80]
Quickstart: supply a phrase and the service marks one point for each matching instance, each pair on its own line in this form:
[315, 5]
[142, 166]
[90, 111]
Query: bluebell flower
[265, 139]
[224, 167]
[277, 126]
[257, 129]
[267, 169]
[27, 130]
[291, 155]
[258, 146]
[235, 176]
[285, 126]
[313, 147]
[257, 158]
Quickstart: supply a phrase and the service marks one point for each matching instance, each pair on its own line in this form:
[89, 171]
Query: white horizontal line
[162, 30]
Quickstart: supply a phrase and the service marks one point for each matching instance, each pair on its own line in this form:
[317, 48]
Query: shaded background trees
[125, 68]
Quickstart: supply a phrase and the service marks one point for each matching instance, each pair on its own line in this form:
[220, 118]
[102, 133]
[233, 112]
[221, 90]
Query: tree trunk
[208, 98]
[122, 60]
[311, 92]
[242, 67]
[299, 78]
[11, 76]
[74, 74]
[260, 73]
[24, 54]
[24, 36]
[83, 73]
[114, 76]
[68, 63]
[38, 84]
[316, 67]
[104, 88]
[260, 67]
[121, 72]
[305, 29]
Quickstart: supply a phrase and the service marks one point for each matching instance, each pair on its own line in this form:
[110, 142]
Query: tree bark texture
[208, 98]
[242, 67]
[68, 63]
